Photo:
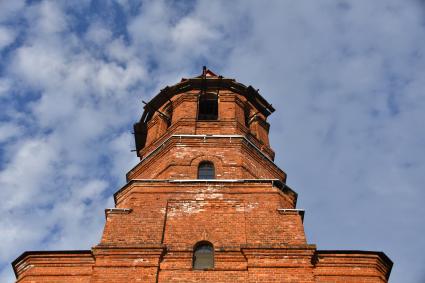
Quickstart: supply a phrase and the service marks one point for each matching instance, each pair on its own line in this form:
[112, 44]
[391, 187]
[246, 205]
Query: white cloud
[25, 175]
[98, 33]
[117, 50]
[50, 17]
[8, 131]
[10, 9]
[190, 33]
[112, 77]
[40, 65]
[7, 37]
[5, 87]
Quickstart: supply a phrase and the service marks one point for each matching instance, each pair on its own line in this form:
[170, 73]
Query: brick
[164, 211]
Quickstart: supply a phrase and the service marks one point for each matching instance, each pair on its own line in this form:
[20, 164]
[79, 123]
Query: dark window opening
[169, 113]
[203, 256]
[206, 170]
[208, 107]
[247, 110]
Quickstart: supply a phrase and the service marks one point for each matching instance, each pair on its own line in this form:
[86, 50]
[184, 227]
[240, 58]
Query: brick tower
[206, 203]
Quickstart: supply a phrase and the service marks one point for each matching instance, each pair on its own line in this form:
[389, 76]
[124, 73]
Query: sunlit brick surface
[247, 213]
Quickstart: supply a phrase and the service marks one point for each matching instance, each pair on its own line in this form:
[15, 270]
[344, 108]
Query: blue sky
[346, 77]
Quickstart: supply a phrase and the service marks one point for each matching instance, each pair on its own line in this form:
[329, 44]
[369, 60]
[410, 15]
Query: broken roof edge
[207, 79]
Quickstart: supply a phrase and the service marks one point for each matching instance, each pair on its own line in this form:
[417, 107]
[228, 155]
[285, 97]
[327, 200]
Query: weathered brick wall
[49, 267]
[351, 266]
[233, 157]
[197, 276]
[231, 120]
[126, 263]
[226, 213]
[163, 211]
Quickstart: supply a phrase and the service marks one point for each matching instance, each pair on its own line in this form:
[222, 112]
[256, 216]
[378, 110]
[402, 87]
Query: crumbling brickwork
[246, 212]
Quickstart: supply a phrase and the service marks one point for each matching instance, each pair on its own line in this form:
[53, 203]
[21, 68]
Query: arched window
[203, 256]
[206, 170]
[208, 107]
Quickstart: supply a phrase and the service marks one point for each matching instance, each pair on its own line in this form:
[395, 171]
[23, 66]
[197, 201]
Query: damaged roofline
[204, 83]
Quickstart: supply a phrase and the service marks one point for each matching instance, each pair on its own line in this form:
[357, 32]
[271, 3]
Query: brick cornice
[161, 149]
[186, 186]
[340, 259]
[175, 129]
[30, 259]
[278, 256]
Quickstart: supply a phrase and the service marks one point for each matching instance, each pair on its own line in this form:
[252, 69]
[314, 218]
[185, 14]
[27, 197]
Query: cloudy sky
[347, 79]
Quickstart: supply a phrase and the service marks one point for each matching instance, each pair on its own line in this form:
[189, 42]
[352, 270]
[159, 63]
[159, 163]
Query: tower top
[190, 107]
[206, 81]
[207, 73]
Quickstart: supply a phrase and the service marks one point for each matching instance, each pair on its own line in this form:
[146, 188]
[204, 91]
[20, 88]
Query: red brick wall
[49, 267]
[233, 157]
[231, 120]
[163, 211]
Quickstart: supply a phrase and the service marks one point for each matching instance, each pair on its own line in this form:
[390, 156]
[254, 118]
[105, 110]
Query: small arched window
[206, 170]
[203, 256]
[208, 107]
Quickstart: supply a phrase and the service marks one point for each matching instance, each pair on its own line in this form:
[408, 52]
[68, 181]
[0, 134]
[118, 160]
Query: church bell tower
[206, 203]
